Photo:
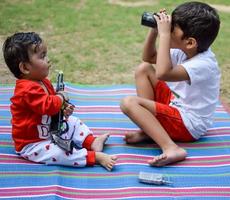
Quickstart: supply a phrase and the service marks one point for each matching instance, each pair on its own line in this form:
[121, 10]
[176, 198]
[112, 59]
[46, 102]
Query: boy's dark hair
[197, 20]
[16, 49]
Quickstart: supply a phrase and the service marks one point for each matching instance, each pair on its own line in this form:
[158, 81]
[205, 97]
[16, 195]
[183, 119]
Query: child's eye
[43, 55]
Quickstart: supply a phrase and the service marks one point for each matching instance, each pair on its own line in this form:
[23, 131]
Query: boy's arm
[149, 52]
[164, 68]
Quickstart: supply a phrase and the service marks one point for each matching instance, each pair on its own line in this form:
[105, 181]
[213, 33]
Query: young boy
[35, 101]
[181, 111]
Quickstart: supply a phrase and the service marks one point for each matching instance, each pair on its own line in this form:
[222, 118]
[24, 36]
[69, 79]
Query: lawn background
[94, 41]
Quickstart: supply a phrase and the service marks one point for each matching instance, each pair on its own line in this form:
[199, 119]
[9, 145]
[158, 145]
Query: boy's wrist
[164, 38]
[153, 33]
[165, 34]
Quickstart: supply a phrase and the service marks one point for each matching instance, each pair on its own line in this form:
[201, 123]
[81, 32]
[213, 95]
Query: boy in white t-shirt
[181, 110]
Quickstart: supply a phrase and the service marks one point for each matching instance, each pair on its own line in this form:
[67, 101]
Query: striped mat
[205, 174]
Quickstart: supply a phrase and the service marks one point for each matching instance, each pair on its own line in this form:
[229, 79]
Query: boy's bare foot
[168, 156]
[105, 160]
[132, 138]
[98, 143]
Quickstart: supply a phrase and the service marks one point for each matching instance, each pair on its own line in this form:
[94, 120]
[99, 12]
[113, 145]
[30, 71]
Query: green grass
[95, 42]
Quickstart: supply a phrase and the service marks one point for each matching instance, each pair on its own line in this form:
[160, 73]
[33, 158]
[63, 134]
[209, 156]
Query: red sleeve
[41, 102]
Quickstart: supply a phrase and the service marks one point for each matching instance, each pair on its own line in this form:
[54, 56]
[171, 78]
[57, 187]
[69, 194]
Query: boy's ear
[191, 43]
[23, 68]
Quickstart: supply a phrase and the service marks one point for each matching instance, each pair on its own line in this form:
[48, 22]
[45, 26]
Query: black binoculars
[148, 19]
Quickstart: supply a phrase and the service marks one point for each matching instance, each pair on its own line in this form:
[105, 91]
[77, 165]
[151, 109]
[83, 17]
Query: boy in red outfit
[35, 101]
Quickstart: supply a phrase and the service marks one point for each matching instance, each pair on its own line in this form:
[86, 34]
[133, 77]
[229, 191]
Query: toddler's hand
[68, 109]
[63, 95]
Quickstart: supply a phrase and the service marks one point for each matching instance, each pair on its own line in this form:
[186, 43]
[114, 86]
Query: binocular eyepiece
[148, 19]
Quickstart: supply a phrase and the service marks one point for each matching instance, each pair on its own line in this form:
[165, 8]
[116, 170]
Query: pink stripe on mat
[134, 192]
[127, 159]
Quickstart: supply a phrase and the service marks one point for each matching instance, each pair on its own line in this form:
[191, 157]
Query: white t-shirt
[197, 98]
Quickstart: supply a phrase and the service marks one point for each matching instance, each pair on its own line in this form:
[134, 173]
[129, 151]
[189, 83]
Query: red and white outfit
[31, 109]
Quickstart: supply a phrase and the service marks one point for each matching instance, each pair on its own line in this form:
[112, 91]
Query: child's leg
[83, 136]
[50, 154]
[142, 112]
[145, 80]
[105, 160]
[99, 142]
[148, 87]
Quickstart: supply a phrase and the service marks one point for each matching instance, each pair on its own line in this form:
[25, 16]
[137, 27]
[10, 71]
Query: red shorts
[169, 116]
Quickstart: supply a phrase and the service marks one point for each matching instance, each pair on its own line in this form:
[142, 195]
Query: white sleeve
[198, 70]
[177, 56]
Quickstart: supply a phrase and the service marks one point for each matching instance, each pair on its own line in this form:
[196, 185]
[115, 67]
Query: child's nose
[49, 62]
[47, 59]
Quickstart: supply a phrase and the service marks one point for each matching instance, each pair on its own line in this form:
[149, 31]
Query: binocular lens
[148, 19]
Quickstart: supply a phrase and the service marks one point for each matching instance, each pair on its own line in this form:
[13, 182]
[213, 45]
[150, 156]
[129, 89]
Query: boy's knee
[127, 103]
[142, 69]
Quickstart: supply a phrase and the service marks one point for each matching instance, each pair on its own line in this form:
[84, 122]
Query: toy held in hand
[58, 124]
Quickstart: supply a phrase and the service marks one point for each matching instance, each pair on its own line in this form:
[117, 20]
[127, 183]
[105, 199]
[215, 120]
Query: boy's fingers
[163, 10]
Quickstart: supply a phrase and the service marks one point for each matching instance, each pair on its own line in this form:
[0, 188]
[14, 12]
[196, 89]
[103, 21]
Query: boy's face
[185, 44]
[176, 38]
[38, 66]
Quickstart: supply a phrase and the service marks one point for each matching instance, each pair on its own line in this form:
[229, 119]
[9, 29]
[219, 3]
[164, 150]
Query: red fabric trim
[88, 142]
[90, 158]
